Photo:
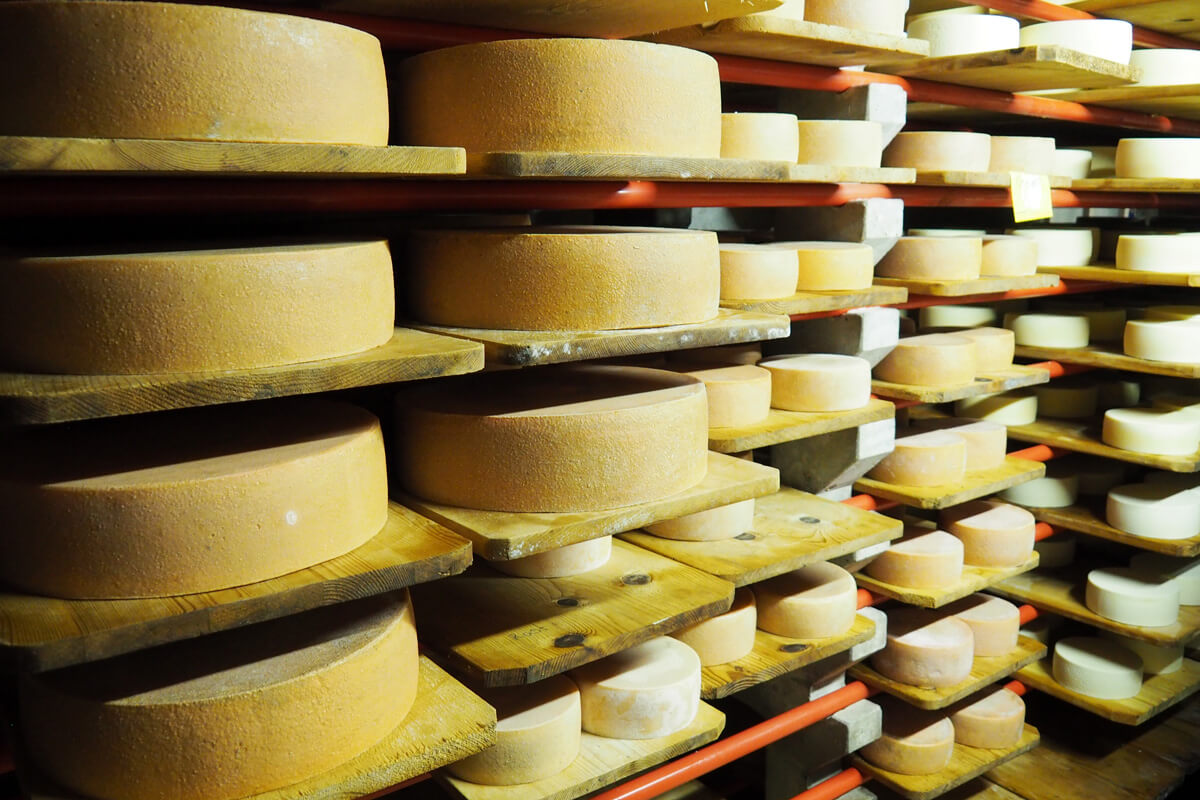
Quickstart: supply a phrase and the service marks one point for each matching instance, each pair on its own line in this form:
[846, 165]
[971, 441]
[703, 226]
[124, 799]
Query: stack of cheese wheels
[1165, 66]
[538, 731]
[1158, 253]
[929, 649]
[1097, 667]
[1127, 595]
[831, 266]
[936, 458]
[1006, 256]
[939, 151]
[995, 623]
[921, 560]
[1032, 154]
[188, 72]
[641, 98]
[1071, 163]
[560, 562]
[762, 137]
[1154, 510]
[1057, 551]
[933, 258]
[813, 602]
[1156, 659]
[231, 714]
[1004, 408]
[986, 441]
[993, 534]
[757, 272]
[1067, 400]
[1151, 430]
[1183, 572]
[840, 143]
[1049, 330]
[273, 492]
[960, 34]
[819, 382]
[957, 316]
[934, 359]
[726, 637]
[1057, 489]
[574, 438]
[737, 396]
[193, 310]
[722, 522]
[1062, 247]
[1158, 158]
[994, 348]
[1163, 340]
[529, 278]
[647, 691]
[876, 16]
[1110, 39]
[994, 719]
[913, 741]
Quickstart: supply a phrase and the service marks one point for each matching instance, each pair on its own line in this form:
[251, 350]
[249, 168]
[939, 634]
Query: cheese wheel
[1158, 158]
[1057, 551]
[960, 34]
[928, 649]
[587, 96]
[1096, 667]
[1110, 39]
[1163, 340]
[986, 441]
[1004, 408]
[187, 72]
[840, 143]
[1058, 489]
[1049, 330]
[533, 278]
[1165, 66]
[1154, 510]
[957, 316]
[757, 272]
[1157, 253]
[1062, 247]
[994, 348]
[650, 690]
[1151, 430]
[747, 353]
[193, 311]
[927, 258]
[924, 561]
[936, 458]
[764, 137]
[1156, 659]
[832, 266]
[737, 396]
[913, 741]
[573, 438]
[993, 719]
[1183, 572]
[994, 623]
[1104, 324]
[813, 602]
[939, 151]
[877, 16]
[537, 734]
[204, 499]
[1063, 401]
[1031, 154]
[1074, 164]
[1168, 313]
[722, 522]
[1008, 257]
[947, 232]
[560, 562]
[933, 359]
[230, 714]
[993, 534]
[1134, 598]
[1104, 162]
[726, 637]
[1118, 393]
[819, 382]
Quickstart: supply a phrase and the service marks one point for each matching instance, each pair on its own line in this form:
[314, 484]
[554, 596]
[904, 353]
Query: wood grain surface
[788, 426]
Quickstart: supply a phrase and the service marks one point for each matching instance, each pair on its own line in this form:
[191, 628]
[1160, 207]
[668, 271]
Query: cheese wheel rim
[762, 137]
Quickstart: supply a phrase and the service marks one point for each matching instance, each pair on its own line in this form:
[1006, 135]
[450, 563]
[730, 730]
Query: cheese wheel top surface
[988, 515]
[983, 608]
[931, 543]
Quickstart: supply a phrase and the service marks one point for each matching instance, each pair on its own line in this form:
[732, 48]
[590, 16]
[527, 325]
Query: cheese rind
[1165, 66]
[832, 266]
[877, 16]
[1030, 154]
[726, 637]
[1058, 489]
[764, 137]
[560, 562]
[986, 441]
[1049, 330]
[1135, 598]
[1110, 39]
[995, 623]
[1006, 256]
[935, 458]
[957, 316]
[840, 143]
[939, 151]
[993, 534]
[1074, 164]
[757, 272]
[960, 34]
[819, 382]
[1156, 659]
[723, 522]
[932, 359]
[994, 348]
[1004, 408]
[1154, 510]
[647, 691]
[1151, 430]
[993, 719]
[913, 741]
[737, 396]
[813, 602]
[945, 258]
[1062, 247]
[1174, 341]
[926, 649]
[924, 561]
[1158, 158]
[1097, 667]
[1157, 253]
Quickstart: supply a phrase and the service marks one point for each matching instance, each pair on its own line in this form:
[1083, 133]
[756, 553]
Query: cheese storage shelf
[1089, 519]
[1110, 274]
[788, 426]
[1012, 472]
[1159, 692]
[1015, 377]
[1105, 357]
[976, 286]
[1181, 100]
[1023, 69]
[973, 579]
[812, 302]
[995, 180]
[1159, 185]
[1084, 437]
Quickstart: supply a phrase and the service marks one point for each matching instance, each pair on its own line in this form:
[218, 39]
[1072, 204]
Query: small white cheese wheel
[957, 316]
[987, 442]
[925, 561]
[840, 143]
[993, 534]
[1049, 330]
[1118, 393]
[1057, 551]
[959, 34]
[1104, 162]
[1061, 401]
[1156, 659]
[1157, 253]
[1184, 572]
[722, 522]
[1110, 39]
[756, 272]
[1074, 164]
[994, 719]
[951, 258]
[726, 637]
[832, 266]
[1125, 595]
[1151, 430]
[1097, 668]
[1058, 489]
[1166, 66]
[932, 359]
[939, 151]
[819, 382]
[1154, 510]
[1004, 408]
[924, 648]
[764, 137]
[995, 623]
[561, 562]
[813, 602]
[1158, 158]
[936, 458]
[650, 690]
[980, 232]
[994, 348]
[537, 734]
[737, 396]
[913, 741]
[1062, 247]
[1175, 341]
[876, 16]
[1032, 154]
[1006, 256]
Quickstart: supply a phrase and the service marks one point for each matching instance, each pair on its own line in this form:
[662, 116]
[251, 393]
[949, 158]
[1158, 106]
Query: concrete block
[814, 754]
[884, 103]
[732, 219]
[839, 494]
[877, 221]
[833, 460]
[855, 561]
[869, 333]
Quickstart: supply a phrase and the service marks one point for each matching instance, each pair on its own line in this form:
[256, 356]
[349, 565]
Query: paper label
[1030, 196]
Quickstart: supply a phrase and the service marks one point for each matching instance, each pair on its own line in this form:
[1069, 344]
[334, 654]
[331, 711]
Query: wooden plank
[508, 631]
[1015, 377]
[1160, 185]
[1012, 472]
[1181, 101]
[40, 633]
[984, 672]
[609, 166]
[601, 762]
[1159, 692]
[1023, 69]
[818, 173]
[409, 355]
[1084, 437]
[1105, 357]
[773, 656]
[791, 529]
[995, 180]
[813, 302]
[973, 579]
[1111, 274]
[529, 348]
[1169, 16]
[977, 286]
[1087, 518]
[788, 426]
[504, 535]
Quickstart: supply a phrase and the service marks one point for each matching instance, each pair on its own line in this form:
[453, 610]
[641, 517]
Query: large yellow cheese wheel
[650, 690]
[192, 311]
[877, 16]
[950, 258]
[574, 438]
[757, 272]
[993, 534]
[189, 501]
[935, 458]
[813, 602]
[926, 648]
[171, 71]
[1157, 253]
[933, 359]
[832, 266]
[228, 715]
[939, 151]
[1008, 256]
[913, 742]
[1032, 154]
[725, 637]
[767, 137]
[926, 560]
[737, 396]
[1163, 340]
[986, 441]
[840, 143]
[819, 382]
[562, 95]
[1157, 510]
[993, 719]
[1158, 158]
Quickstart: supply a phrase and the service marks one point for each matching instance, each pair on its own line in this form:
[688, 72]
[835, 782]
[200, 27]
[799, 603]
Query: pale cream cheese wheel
[832, 266]
[876, 16]
[586, 96]
[1158, 158]
[1174, 341]
[1096, 667]
[757, 272]
[994, 719]
[1004, 408]
[1031, 154]
[726, 637]
[924, 561]
[840, 143]
[1156, 659]
[1126, 595]
[737, 396]
[1074, 164]
[722, 522]
[960, 34]
[1059, 488]
[560, 562]
[995, 623]
[187, 72]
[573, 438]
[1049, 330]
[1184, 572]
[203, 499]
[1065, 401]
[913, 741]
[1062, 247]
[1151, 430]
[993, 534]
[1154, 510]
[1110, 39]
[939, 151]
[1164, 66]
[1158, 253]
[763, 137]
[231, 714]
[986, 441]
[994, 348]
[1006, 256]
[928, 649]
[933, 359]
[819, 382]
[935, 458]
[957, 316]
[927, 258]
[814, 602]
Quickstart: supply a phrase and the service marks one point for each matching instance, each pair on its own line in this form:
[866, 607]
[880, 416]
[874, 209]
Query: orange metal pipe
[1057, 370]
[1042, 531]
[1052, 12]
[868, 503]
[1016, 687]
[1028, 614]
[1039, 452]
[845, 781]
[866, 598]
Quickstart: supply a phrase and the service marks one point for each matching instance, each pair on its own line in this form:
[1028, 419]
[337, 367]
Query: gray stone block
[869, 333]
[884, 103]
[814, 754]
[877, 221]
[832, 460]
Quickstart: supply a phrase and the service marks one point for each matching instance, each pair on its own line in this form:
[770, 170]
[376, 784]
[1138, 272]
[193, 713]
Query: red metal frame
[832, 788]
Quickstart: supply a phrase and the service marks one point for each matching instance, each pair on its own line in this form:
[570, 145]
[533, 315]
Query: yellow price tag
[1030, 196]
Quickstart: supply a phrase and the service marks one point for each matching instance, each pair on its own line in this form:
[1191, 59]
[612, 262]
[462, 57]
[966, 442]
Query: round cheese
[1165, 66]
[187, 72]
[586, 95]
[927, 258]
[957, 316]
[933, 359]
[993, 719]
[1158, 158]
[876, 16]
[193, 311]
[737, 396]
[1110, 39]
[840, 143]
[995, 623]
[1062, 247]
[230, 714]
[986, 441]
[764, 137]
[926, 561]
[1157, 253]
[722, 522]
[1008, 256]
[1183, 572]
[537, 734]
[1096, 667]
[1134, 598]
[1156, 659]
[993, 534]
[748, 353]
[1031, 154]
[939, 151]
[560, 562]
[1154, 510]
[819, 382]
[925, 648]
[813, 602]
[650, 690]
[913, 741]
[1049, 330]
[959, 34]
[935, 458]
[757, 272]
[1064, 401]
[1004, 408]
[726, 637]
[1074, 164]
[1163, 340]
[573, 438]
[203, 499]
[832, 266]
[1058, 489]
[1057, 551]
[1151, 430]
[994, 348]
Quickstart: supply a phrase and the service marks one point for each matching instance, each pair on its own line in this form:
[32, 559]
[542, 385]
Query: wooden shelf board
[984, 672]
[529, 348]
[1159, 692]
[791, 529]
[973, 579]
[788, 426]
[812, 302]
[41, 633]
[1015, 377]
[773, 656]
[1012, 472]
[1159, 185]
[1181, 100]
[1086, 519]
[1084, 437]
[1105, 357]
[994, 180]
[509, 631]
[983, 285]
[601, 762]
[1111, 274]
[410, 355]
[505, 535]
[1023, 69]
